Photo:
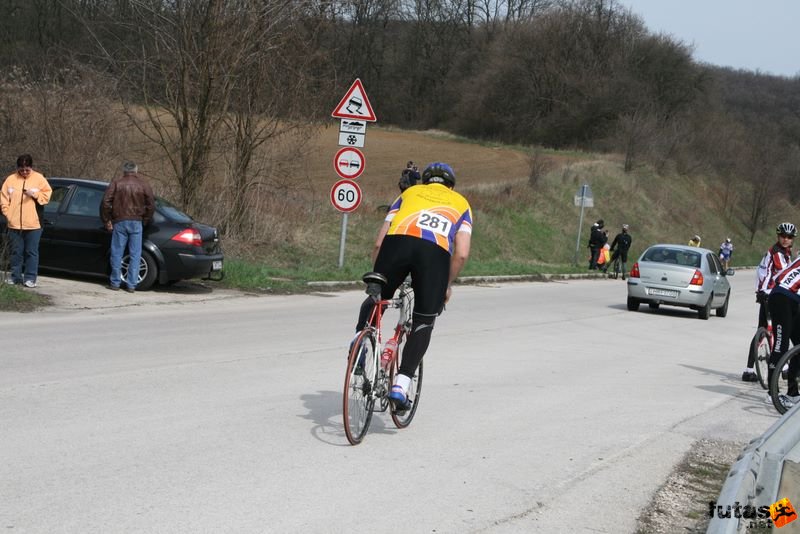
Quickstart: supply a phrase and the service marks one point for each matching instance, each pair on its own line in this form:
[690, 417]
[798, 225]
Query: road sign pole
[580, 225]
[355, 111]
[342, 240]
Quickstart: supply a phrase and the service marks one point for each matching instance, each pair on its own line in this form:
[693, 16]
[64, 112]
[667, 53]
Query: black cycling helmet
[786, 228]
[439, 173]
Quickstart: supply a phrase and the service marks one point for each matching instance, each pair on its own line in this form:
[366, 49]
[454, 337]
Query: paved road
[546, 407]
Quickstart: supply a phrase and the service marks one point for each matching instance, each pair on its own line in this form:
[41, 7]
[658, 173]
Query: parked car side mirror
[729, 272]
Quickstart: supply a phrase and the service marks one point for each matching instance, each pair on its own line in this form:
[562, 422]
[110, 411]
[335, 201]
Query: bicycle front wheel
[358, 399]
[781, 382]
[403, 419]
[759, 351]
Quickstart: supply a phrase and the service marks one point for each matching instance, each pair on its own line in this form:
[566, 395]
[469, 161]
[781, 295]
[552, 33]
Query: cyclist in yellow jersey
[434, 213]
[427, 234]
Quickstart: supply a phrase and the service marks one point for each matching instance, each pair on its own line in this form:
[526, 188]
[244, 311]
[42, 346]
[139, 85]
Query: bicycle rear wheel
[358, 400]
[759, 350]
[403, 419]
[780, 382]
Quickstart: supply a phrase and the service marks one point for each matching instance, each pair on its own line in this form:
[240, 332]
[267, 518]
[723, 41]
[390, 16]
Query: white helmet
[786, 228]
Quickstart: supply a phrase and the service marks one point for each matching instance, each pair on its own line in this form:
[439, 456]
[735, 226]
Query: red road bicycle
[761, 348]
[370, 371]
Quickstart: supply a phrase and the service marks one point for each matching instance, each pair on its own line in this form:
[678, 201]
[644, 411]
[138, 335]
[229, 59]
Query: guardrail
[758, 479]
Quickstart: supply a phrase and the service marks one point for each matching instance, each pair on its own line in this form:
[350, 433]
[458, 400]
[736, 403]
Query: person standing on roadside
[596, 241]
[620, 246]
[127, 207]
[23, 193]
[695, 241]
[409, 176]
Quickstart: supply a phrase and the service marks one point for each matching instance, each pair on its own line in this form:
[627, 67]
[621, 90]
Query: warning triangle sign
[355, 104]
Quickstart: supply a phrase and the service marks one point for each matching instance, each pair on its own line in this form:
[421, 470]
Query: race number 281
[438, 224]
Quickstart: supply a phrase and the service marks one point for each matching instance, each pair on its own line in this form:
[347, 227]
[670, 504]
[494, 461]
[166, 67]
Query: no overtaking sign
[349, 163]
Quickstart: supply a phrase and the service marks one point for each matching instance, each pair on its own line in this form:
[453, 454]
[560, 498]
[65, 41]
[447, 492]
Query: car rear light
[697, 279]
[635, 270]
[189, 236]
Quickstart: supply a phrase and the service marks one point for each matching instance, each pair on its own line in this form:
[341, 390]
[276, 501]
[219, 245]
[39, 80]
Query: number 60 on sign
[345, 195]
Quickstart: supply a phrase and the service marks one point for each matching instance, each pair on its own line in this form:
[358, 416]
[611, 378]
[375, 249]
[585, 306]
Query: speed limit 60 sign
[345, 195]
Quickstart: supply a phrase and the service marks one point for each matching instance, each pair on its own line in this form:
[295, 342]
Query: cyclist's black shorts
[621, 254]
[428, 264]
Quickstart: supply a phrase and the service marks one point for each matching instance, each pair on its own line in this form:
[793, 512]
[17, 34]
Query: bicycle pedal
[399, 410]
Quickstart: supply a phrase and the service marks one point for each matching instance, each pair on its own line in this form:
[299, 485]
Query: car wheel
[705, 311]
[148, 270]
[633, 304]
[723, 311]
[653, 305]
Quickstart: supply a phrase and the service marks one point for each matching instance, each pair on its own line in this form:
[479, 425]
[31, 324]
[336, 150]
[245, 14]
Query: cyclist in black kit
[784, 309]
[620, 246]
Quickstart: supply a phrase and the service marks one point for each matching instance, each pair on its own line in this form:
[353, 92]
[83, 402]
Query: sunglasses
[784, 236]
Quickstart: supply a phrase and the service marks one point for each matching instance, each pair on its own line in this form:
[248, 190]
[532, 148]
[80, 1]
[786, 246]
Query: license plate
[216, 265]
[662, 292]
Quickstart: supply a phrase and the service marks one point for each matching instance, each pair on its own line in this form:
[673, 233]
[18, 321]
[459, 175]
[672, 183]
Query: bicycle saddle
[375, 282]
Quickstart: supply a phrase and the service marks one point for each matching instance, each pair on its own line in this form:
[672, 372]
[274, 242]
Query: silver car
[679, 275]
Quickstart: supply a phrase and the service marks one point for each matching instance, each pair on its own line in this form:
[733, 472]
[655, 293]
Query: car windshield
[686, 258]
[171, 211]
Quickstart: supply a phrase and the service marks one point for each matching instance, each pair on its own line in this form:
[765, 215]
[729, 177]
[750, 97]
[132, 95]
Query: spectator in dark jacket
[596, 241]
[409, 176]
[127, 207]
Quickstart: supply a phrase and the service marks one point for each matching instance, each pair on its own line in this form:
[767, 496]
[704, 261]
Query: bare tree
[178, 63]
[539, 166]
[63, 115]
[273, 101]
[761, 169]
[635, 130]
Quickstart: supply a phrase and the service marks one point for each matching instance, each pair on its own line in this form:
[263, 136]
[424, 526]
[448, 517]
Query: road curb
[491, 279]
[474, 280]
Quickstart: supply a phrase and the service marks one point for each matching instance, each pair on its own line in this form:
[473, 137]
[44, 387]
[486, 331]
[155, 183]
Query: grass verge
[251, 275]
[16, 299]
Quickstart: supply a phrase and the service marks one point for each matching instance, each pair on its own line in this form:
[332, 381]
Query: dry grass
[522, 197]
[519, 228]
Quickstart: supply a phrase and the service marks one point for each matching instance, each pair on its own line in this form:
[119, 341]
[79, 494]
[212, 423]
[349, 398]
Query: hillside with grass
[670, 146]
[522, 199]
